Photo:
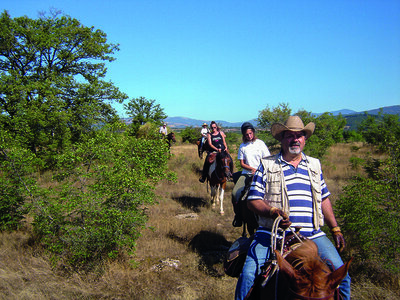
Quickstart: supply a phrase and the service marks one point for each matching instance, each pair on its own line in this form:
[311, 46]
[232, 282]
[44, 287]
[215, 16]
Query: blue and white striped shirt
[300, 199]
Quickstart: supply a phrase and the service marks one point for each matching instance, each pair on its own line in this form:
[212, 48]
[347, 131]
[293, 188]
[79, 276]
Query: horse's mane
[310, 268]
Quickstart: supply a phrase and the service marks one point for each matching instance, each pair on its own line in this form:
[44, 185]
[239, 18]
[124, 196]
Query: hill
[352, 116]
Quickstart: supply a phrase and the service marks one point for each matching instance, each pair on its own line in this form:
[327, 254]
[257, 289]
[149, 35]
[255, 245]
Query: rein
[274, 233]
[274, 236]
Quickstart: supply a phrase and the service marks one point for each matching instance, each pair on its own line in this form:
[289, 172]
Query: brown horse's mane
[311, 270]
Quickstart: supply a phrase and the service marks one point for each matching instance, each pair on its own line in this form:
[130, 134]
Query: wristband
[335, 229]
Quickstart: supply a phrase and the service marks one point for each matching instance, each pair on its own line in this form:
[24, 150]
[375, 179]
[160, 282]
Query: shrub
[352, 136]
[355, 162]
[190, 134]
[148, 131]
[97, 205]
[370, 206]
[16, 182]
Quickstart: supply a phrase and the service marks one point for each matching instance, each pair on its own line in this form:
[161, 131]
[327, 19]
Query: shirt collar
[303, 158]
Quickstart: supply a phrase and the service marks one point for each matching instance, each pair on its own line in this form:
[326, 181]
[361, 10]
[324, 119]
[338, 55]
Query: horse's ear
[285, 267]
[337, 276]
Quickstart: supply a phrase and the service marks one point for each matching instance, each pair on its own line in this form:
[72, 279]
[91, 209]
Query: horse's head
[171, 137]
[308, 276]
[225, 164]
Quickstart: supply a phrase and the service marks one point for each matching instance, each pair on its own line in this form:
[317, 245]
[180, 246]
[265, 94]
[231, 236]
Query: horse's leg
[221, 200]
[214, 193]
[221, 197]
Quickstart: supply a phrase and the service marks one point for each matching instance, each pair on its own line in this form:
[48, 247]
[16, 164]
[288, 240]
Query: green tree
[269, 116]
[382, 131]
[328, 128]
[52, 88]
[143, 110]
[328, 131]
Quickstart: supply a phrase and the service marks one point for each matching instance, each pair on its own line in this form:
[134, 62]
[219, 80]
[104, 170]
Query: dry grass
[178, 256]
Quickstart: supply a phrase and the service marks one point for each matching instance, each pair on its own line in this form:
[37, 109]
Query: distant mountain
[353, 118]
[391, 110]
[342, 111]
[181, 122]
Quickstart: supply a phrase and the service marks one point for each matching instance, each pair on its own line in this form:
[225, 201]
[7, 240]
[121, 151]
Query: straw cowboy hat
[204, 124]
[293, 123]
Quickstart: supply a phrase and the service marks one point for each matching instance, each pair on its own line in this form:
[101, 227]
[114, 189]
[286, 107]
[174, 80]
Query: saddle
[212, 157]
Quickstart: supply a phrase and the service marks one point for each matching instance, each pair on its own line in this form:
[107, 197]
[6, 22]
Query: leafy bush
[352, 136]
[328, 131]
[233, 138]
[355, 162]
[16, 183]
[190, 134]
[148, 131]
[370, 206]
[96, 207]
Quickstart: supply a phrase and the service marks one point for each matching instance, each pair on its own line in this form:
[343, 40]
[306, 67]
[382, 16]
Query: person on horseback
[216, 142]
[250, 153]
[290, 185]
[204, 133]
[163, 130]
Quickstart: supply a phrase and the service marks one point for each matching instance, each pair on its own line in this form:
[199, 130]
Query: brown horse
[170, 138]
[302, 275]
[219, 173]
[201, 148]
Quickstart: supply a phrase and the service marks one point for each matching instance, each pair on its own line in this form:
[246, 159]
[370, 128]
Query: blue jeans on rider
[259, 252]
[203, 139]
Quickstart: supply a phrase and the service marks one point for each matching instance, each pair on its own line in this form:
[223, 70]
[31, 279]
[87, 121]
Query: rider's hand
[284, 223]
[338, 238]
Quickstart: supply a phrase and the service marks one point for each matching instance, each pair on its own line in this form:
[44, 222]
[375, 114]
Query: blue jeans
[259, 251]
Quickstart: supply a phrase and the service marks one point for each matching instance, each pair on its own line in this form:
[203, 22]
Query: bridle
[225, 166]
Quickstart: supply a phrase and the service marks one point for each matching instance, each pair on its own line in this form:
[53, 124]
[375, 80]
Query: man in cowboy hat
[290, 185]
[204, 131]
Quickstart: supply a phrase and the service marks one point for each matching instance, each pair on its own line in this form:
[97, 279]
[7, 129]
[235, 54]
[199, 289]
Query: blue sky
[229, 59]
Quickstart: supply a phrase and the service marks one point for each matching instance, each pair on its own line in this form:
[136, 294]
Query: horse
[243, 215]
[301, 274]
[170, 138]
[201, 148]
[219, 173]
